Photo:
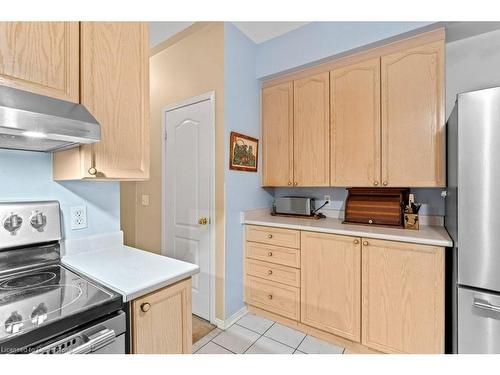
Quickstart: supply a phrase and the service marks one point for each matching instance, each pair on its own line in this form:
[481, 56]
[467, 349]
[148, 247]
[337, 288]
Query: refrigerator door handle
[485, 305]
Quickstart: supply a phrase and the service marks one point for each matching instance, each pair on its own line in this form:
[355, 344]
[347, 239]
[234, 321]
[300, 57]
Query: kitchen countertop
[129, 271]
[426, 235]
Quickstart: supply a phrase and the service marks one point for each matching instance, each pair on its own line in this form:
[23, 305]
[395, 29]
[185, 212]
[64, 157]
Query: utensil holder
[411, 221]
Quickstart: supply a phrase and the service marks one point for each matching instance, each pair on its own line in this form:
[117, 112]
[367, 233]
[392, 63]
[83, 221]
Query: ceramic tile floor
[253, 334]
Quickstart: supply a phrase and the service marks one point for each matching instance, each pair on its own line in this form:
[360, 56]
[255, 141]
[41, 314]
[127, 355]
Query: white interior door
[188, 173]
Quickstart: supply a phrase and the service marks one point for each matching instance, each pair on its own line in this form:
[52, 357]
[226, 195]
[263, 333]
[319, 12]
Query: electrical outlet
[328, 198]
[78, 217]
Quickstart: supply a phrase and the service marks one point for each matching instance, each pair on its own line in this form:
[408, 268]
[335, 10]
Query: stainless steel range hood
[35, 122]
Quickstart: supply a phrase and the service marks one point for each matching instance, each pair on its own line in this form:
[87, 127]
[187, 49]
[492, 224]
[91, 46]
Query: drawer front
[273, 254]
[273, 236]
[273, 272]
[274, 297]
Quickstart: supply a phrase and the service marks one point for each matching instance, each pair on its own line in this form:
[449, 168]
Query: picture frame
[244, 153]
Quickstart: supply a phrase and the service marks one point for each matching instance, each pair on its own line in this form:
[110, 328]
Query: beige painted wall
[192, 65]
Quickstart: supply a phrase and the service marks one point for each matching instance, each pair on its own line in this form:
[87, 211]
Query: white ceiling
[259, 32]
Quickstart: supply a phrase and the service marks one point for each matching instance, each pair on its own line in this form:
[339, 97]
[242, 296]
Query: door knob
[203, 221]
[145, 306]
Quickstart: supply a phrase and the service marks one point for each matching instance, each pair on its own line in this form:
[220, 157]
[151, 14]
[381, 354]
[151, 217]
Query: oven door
[107, 337]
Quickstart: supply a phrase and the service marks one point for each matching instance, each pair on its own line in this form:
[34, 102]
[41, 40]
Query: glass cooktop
[35, 298]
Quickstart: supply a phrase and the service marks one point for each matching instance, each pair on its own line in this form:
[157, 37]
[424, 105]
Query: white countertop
[129, 271]
[426, 235]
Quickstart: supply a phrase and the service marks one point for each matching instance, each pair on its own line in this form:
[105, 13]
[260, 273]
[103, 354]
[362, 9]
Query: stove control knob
[13, 223]
[38, 221]
[14, 323]
[39, 314]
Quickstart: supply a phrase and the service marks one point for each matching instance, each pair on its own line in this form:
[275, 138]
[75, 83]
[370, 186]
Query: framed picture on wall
[244, 151]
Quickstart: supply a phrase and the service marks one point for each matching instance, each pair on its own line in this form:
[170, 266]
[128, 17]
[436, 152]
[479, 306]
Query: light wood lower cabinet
[383, 296]
[162, 321]
[403, 297]
[331, 283]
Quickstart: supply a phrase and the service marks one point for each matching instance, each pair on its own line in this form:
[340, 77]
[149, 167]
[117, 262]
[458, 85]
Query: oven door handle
[98, 340]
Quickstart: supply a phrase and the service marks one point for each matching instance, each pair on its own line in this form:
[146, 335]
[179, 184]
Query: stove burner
[26, 281]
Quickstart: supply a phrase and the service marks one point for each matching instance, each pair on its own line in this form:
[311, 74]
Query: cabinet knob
[145, 306]
[385, 183]
[270, 296]
[365, 243]
[375, 183]
[270, 254]
[269, 235]
[289, 182]
[356, 242]
[92, 171]
[270, 272]
[295, 183]
[370, 221]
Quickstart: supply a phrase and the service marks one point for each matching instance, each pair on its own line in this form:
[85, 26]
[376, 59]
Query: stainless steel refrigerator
[473, 220]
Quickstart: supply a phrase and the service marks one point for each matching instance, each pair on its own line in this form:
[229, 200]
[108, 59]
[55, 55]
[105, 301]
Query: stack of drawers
[272, 268]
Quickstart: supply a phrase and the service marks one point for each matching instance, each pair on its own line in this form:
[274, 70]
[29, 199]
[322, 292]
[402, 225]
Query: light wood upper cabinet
[277, 135]
[413, 133]
[311, 143]
[162, 321]
[403, 297]
[115, 89]
[331, 283]
[42, 57]
[355, 124]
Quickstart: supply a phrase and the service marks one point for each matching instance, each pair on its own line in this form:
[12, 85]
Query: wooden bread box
[376, 206]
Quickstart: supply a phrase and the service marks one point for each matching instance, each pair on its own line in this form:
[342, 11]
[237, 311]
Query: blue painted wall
[28, 176]
[243, 190]
[432, 202]
[320, 40]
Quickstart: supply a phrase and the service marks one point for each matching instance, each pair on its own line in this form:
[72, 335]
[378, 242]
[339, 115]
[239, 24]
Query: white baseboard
[225, 324]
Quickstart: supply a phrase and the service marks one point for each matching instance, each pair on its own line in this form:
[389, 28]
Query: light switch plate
[78, 217]
[145, 199]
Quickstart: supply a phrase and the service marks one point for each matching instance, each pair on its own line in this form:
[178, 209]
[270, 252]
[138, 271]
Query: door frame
[210, 96]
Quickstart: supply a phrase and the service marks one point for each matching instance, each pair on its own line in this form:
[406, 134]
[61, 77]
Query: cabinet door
[413, 132]
[311, 131]
[115, 89]
[277, 135]
[42, 57]
[403, 297]
[331, 283]
[355, 124]
[162, 321]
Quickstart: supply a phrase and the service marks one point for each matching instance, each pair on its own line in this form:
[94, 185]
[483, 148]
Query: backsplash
[26, 176]
[432, 202]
